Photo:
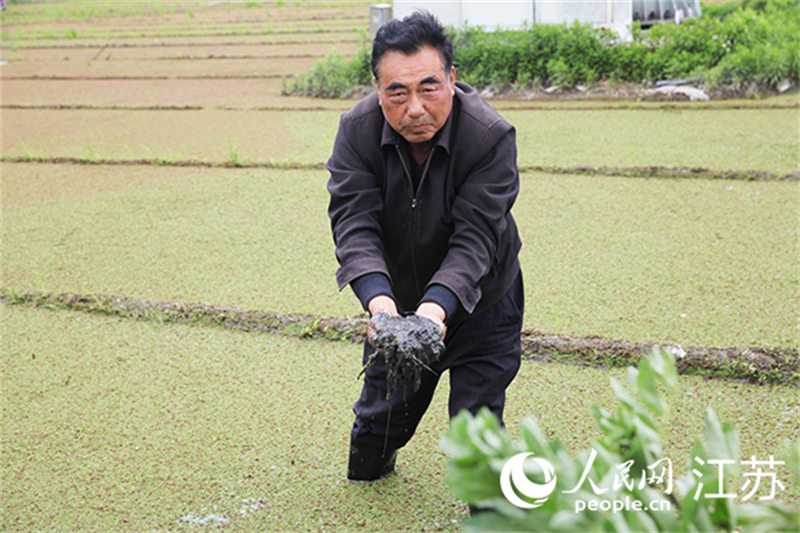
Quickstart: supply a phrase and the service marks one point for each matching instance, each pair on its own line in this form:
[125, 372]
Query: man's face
[416, 93]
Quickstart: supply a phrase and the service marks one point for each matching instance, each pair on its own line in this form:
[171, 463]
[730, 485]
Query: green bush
[479, 450]
[732, 44]
[763, 45]
[335, 76]
[751, 42]
[565, 55]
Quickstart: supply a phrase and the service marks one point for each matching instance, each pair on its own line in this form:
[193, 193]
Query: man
[423, 178]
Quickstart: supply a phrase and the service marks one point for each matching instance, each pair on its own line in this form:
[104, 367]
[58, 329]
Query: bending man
[422, 180]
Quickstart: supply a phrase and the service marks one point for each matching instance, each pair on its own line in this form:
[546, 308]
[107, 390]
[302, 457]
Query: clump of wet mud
[409, 345]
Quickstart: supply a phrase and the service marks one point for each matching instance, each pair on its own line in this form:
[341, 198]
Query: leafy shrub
[565, 55]
[754, 42]
[763, 45]
[480, 448]
[334, 76]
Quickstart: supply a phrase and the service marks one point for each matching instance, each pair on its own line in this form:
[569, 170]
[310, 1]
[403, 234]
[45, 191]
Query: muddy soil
[261, 67]
[138, 19]
[751, 364]
[142, 92]
[43, 58]
[195, 71]
[143, 16]
[408, 345]
[190, 41]
[197, 62]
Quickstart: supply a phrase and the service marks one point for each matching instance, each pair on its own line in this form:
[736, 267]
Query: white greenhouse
[616, 15]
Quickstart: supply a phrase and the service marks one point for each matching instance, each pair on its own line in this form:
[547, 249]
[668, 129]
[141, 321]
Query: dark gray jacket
[455, 230]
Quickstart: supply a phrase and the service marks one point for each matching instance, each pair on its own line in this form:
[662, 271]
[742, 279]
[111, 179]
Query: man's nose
[415, 107]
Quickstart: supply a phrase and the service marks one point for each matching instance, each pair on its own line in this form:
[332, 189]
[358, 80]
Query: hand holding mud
[408, 345]
[433, 312]
[380, 305]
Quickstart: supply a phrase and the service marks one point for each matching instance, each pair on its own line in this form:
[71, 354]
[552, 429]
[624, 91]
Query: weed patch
[235, 158]
[334, 76]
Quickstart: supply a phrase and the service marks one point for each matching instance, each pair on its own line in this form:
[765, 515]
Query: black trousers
[482, 354]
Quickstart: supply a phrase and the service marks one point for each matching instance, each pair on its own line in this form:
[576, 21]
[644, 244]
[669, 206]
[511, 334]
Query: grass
[234, 156]
[122, 425]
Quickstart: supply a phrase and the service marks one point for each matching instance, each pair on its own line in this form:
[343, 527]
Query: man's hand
[433, 312]
[380, 304]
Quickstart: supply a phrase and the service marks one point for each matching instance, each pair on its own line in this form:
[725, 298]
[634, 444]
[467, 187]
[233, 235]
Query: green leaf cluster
[749, 42]
[564, 55]
[624, 466]
[757, 43]
[335, 76]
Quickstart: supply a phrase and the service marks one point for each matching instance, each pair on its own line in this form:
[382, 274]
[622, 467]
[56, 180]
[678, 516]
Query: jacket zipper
[414, 206]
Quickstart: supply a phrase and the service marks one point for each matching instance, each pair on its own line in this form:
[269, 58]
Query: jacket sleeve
[480, 210]
[355, 209]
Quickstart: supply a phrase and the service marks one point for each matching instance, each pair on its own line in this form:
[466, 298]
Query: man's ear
[452, 80]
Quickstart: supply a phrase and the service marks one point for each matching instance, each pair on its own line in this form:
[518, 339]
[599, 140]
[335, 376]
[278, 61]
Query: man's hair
[409, 35]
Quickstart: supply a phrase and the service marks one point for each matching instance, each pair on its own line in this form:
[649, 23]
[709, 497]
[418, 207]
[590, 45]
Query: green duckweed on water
[113, 424]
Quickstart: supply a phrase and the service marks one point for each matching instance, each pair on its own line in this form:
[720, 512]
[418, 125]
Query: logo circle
[513, 477]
